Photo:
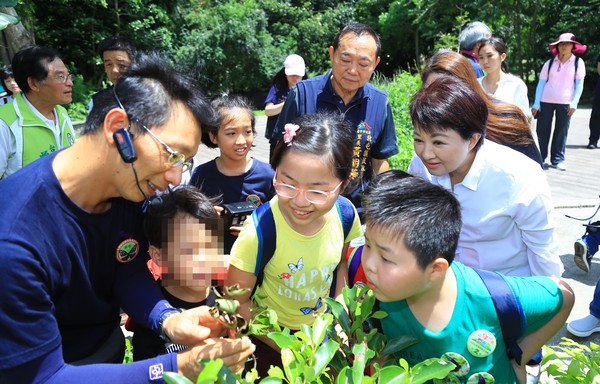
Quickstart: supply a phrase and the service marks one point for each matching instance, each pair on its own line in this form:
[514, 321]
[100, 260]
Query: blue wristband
[162, 320]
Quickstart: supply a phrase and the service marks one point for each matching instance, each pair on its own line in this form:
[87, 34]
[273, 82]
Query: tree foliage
[240, 45]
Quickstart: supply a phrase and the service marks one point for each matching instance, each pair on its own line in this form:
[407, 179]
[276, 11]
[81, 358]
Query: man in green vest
[34, 124]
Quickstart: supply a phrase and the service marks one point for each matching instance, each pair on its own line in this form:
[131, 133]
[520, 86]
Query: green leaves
[571, 362]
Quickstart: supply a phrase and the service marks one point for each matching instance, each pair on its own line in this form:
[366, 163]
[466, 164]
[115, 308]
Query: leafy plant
[341, 347]
[400, 91]
[128, 357]
[572, 362]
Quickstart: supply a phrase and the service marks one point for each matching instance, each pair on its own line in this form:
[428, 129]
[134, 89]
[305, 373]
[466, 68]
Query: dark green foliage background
[239, 45]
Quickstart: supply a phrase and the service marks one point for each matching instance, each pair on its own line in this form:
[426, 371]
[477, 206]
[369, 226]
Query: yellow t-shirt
[300, 273]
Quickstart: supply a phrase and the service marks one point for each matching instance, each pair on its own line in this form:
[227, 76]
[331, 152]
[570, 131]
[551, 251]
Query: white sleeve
[7, 148]
[521, 99]
[535, 219]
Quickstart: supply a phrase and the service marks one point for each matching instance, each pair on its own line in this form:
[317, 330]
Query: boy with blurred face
[186, 257]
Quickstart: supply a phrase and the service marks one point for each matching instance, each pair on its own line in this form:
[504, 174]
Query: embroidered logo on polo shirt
[127, 250]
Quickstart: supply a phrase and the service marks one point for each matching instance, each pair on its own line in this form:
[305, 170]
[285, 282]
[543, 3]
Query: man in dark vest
[346, 90]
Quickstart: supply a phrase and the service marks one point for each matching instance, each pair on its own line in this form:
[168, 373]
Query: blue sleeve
[272, 96]
[479, 72]
[578, 91]
[51, 368]
[388, 144]
[538, 94]
[288, 114]
[139, 295]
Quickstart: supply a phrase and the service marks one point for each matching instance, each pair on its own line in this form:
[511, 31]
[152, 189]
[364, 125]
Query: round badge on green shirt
[481, 343]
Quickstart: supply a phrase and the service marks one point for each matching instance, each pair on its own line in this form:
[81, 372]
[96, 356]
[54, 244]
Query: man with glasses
[35, 124]
[73, 248]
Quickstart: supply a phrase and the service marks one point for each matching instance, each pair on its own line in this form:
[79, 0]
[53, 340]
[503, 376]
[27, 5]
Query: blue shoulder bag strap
[509, 310]
[265, 231]
[346, 212]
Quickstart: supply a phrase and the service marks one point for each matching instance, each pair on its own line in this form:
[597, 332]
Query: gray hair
[473, 33]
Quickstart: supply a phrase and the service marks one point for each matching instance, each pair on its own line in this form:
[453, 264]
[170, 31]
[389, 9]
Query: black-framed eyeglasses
[62, 78]
[175, 159]
[314, 196]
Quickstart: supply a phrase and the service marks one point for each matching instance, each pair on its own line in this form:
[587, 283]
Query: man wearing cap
[346, 90]
[558, 92]
[469, 41]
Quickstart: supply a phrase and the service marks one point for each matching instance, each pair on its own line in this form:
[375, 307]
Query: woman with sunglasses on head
[312, 167]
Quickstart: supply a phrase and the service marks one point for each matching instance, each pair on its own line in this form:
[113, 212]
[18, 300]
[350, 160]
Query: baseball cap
[294, 65]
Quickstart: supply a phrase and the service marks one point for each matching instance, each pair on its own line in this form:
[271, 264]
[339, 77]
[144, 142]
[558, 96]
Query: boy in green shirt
[412, 230]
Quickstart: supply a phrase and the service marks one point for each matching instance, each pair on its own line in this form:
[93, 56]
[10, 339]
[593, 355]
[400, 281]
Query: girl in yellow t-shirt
[312, 165]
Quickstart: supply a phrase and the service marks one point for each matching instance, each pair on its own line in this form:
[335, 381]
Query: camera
[235, 213]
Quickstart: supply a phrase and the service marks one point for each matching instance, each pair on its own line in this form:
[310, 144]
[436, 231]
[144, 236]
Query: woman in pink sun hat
[568, 38]
[558, 92]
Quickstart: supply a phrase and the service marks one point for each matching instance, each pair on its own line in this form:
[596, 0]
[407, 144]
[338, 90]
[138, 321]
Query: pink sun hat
[568, 38]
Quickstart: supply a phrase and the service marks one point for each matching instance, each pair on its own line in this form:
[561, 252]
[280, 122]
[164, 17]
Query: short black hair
[186, 199]
[148, 92]
[221, 104]
[6, 72]
[117, 43]
[32, 61]
[358, 29]
[321, 134]
[426, 217]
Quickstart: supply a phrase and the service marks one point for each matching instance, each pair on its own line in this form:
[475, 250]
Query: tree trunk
[16, 36]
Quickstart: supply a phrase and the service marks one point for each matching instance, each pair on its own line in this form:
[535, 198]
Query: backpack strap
[551, 61]
[346, 211]
[266, 234]
[265, 231]
[509, 311]
[354, 258]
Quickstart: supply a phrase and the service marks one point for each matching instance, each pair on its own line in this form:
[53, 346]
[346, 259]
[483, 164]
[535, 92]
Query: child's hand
[193, 326]
[219, 209]
[235, 230]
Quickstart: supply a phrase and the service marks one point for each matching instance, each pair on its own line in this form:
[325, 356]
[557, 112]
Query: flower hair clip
[290, 132]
